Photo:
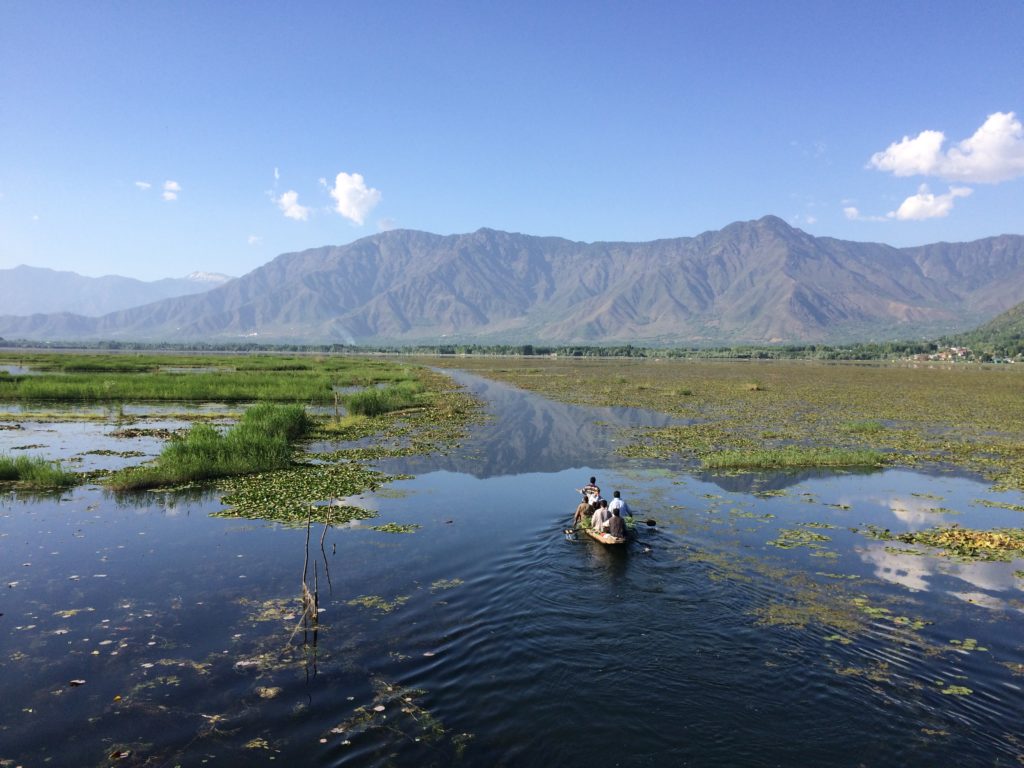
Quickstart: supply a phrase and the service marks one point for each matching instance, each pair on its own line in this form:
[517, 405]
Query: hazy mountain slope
[1003, 334]
[33, 290]
[975, 271]
[751, 281]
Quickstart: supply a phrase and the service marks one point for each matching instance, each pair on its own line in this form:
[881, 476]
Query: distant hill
[1003, 334]
[752, 282]
[34, 290]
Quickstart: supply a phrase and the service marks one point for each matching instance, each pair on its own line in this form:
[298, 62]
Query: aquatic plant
[293, 496]
[791, 456]
[970, 417]
[1000, 544]
[865, 426]
[34, 472]
[396, 528]
[790, 538]
[378, 603]
[374, 402]
[223, 378]
[258, 443]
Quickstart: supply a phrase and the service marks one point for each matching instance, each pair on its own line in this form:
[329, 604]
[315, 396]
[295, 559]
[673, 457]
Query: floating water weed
[446, 584]
[395, 528]
[396, 709]
[377, 603]
[790, 538]
[999, 505]
[967, 644]
[957, 690]
[1001, 544]
[292, 496]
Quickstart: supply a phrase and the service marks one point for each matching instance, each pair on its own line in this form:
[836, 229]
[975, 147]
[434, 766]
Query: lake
[760, 622]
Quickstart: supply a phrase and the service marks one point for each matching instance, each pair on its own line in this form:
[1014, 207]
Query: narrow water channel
[754, 625]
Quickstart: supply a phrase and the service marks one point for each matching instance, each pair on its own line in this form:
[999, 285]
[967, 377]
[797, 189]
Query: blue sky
[152, 139]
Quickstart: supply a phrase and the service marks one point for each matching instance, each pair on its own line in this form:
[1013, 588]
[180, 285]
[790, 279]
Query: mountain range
[758, 281]
[31, 290]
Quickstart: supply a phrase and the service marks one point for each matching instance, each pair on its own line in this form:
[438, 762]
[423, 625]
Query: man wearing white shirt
[619, 504]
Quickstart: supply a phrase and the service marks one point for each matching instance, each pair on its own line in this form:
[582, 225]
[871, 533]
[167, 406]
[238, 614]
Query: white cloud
[277, 174]
[353, 199]
[254, 240]
[993, 154]
[384, 225]
[289, 205]
[853, 213]
[171, 190]
[143, 185]
[925, 205]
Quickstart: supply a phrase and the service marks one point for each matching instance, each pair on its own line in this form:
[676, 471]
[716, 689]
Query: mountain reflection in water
[534, 434]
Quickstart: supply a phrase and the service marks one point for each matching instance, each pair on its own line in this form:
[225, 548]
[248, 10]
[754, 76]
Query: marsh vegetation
[261, 441]
[34, 471]
[109, 378]
[901, 415]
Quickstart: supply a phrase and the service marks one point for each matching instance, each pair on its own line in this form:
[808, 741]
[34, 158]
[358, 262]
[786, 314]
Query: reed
[374, 402]
[35, 472]
[259, 442]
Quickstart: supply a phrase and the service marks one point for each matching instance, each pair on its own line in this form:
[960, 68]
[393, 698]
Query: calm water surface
[488, 637]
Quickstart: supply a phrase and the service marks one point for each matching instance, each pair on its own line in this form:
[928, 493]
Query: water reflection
[762, 482]
[17, 370]
[918, 569]
[907, 570]
[533, 434]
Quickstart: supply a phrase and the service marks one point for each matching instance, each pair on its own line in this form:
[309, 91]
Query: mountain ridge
[759, 281]
[27, 290]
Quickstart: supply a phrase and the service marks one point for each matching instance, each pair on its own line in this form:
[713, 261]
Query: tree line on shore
[1004, 348]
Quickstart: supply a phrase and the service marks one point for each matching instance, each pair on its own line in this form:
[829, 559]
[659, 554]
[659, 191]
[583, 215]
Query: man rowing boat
[590, 490]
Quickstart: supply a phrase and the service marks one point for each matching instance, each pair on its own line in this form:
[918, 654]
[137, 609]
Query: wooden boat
[604, 538]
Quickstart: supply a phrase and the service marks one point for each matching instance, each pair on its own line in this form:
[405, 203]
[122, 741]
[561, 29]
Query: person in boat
[599, 522]
[591, 490]
[581, 510]
[619, 505]
[616, 525]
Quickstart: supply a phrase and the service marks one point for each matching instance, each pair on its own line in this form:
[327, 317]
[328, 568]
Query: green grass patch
[791, 456]
[259, 442]
[864, 427]
[350, 427]
[182, 378]
[34, 472]
[374, 402]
